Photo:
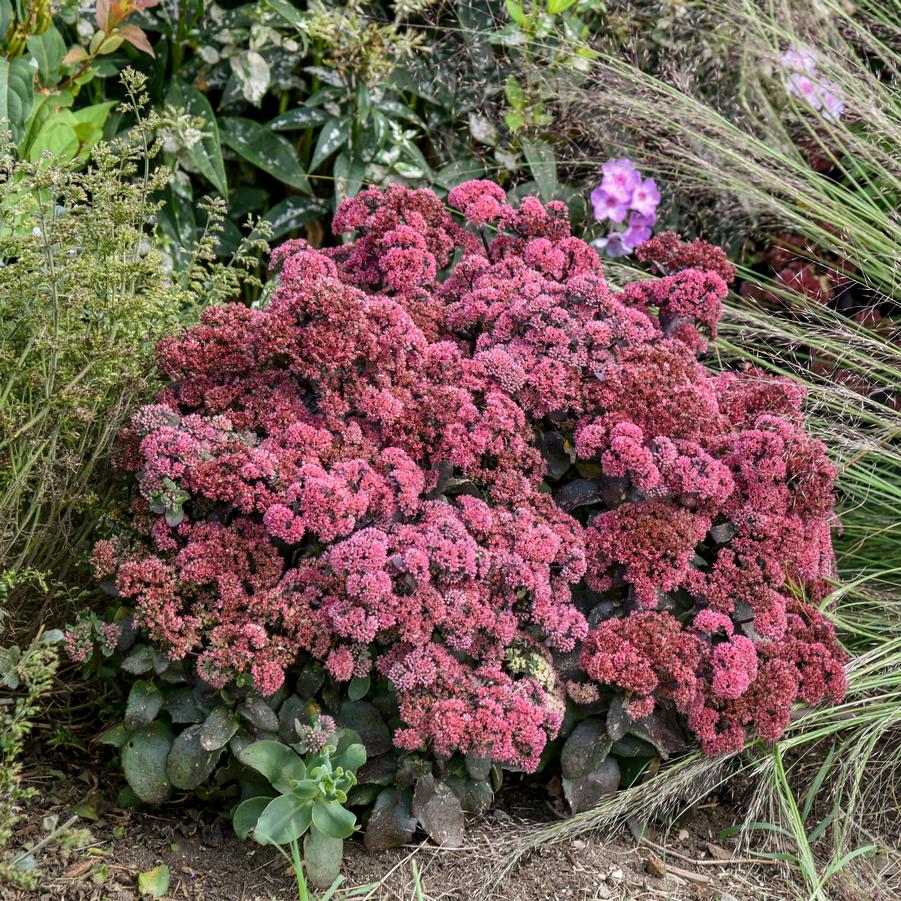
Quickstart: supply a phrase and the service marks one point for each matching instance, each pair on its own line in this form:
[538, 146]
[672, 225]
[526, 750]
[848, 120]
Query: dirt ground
[689, 860]
[207, 863]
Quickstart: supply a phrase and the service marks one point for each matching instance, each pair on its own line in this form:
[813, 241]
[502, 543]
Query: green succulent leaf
[277, 762]
[144, 758]
[358, 687]
[246, 815]
[350, 752]
[144, 703]
[322, 857]
[284, 820]
[332, 819]
[218, 728]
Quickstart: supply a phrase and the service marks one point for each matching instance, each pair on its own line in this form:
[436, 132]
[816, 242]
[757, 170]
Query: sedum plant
[483, 508]
[312, 792]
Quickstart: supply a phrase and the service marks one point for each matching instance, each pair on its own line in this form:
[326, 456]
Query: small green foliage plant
[309, 804]
[26, 676]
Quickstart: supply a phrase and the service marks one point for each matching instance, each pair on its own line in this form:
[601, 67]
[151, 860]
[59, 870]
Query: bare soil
[207, 863]
[688, 860]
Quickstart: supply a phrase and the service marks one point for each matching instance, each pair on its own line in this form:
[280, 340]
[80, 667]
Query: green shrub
[27, 676]
[84, 296]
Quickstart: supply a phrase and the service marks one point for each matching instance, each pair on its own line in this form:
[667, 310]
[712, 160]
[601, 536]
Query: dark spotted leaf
[586, 791]
[144, 758]
[218, 728]
[188, 764]
[391, 822]
[258, 713]
[439, 812]
[367, 722]
[144, 703]
[578, 493]
[585, 749]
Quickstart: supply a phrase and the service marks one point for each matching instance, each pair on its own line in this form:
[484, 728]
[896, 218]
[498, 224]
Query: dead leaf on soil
[78, 869]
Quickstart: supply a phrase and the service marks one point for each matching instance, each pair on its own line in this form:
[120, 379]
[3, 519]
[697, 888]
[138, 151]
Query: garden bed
[207, 862]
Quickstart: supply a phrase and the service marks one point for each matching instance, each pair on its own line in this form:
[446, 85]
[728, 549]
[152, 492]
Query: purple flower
[805, 88]
[620, 179]
[803, 82]
[643, 219]
[831, 97]
[615, 247]
[646, 197]
[608, 206]
[799, 60]
[635, 234]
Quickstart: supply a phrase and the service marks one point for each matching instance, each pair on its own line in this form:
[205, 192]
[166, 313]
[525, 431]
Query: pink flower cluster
[723, 682]
[365, 475]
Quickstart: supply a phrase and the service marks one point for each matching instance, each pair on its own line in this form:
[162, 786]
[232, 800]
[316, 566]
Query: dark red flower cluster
[360, 471]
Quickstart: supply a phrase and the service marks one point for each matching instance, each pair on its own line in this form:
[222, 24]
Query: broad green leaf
[16, 94]
[6, 16]
[358, 687]
[322, 858]
[115, 736]
[144, 762]
[540, 157]
[294, 213]
[277, 762]
[555, 7]
[288, 12]
[348, 177]
[332, 819]
[154, 882]
[515, 11]
[284, 820]
[144, 703]
[206, 154]
[515, 95]
[218, 728]
[298, 119]
[332, 135]
[267, 151]
[140, 660]
[246, 815]
[350, 752]
[48, 49]
[189, 764]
